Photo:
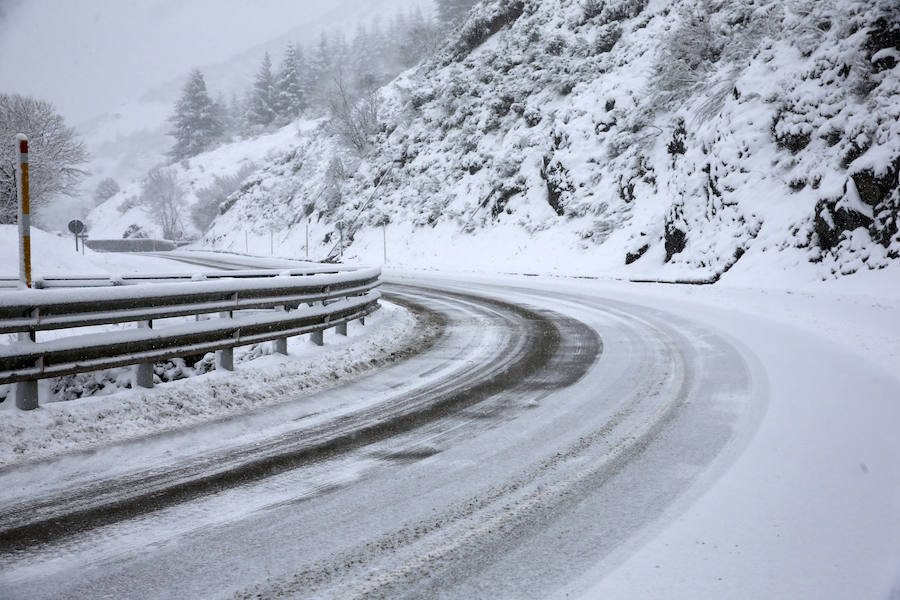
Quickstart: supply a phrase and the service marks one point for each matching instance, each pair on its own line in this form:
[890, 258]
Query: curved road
[540, 440]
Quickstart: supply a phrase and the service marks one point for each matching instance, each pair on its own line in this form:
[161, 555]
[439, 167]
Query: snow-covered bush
[135, 231]
[606, 37]
[211, 197]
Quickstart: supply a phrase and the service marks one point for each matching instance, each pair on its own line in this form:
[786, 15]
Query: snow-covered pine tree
[261, 103]
[290, 95]
[451, 12]
[196, 123]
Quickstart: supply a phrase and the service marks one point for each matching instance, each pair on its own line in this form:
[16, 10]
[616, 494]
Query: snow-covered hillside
[626, 137]
[114, 217]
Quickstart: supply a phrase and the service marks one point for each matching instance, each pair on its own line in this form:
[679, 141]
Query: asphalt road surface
[541, 434]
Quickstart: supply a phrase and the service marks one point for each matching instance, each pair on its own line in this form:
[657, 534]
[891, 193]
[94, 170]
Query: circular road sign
[76, 226]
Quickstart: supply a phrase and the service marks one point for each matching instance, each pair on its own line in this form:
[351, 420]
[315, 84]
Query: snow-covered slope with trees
[673, 139]
[204, 179]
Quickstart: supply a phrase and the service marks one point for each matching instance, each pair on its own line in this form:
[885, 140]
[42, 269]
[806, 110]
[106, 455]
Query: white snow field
[55, 255]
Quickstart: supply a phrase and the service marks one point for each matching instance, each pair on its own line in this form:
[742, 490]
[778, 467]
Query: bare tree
[106, 189]
[163, 197]
[354, 117]
[54, 153]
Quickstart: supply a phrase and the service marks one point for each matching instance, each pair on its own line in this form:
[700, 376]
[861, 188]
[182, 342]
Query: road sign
[76, 226]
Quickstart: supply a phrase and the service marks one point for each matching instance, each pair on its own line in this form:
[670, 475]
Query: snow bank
[62, 427]
[54, 255]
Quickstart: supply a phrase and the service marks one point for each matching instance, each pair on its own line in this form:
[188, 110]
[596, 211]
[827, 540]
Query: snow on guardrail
[294, 305]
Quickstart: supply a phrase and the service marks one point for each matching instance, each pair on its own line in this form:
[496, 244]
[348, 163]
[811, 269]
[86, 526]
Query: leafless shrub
[163, 197]
[210, 198]
[354, 117]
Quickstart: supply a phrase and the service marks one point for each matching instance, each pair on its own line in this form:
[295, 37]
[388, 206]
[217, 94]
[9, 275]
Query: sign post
[77, 227]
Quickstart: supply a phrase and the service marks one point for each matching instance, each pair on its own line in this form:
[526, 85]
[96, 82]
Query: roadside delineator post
[26, 391]
[24, 198]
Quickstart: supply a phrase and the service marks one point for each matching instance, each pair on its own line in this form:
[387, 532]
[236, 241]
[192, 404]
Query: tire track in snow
[520, 363]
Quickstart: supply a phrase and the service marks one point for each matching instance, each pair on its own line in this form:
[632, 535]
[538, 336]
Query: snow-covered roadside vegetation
[629, 138]
[60, 427]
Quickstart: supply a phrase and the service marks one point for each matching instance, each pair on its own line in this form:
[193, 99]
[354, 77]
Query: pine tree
[197, 123]
[290, 97]
[451, 12]
[261, 105]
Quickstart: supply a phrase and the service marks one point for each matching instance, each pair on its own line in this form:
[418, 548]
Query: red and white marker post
[26, 391]
[24, 211]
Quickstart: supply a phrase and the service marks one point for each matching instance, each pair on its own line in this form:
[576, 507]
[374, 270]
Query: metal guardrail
[80, 281]
[292, 305]
[130, 245]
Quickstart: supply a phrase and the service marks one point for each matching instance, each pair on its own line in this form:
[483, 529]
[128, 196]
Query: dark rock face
[882, 193]
[883, 34]
[879, 191]
[676, 240]
[831, 223]
[633, 256]
[558, 183]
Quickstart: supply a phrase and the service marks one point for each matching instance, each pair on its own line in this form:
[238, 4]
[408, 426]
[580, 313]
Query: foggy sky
[89, 56]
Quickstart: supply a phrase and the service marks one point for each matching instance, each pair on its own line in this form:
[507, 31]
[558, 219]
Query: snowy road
[556, 439]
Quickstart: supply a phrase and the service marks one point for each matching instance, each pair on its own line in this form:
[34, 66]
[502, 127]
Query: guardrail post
[27, 395]
[362, 321]
[225, 357]
[341, 328]
[27, 391]
[317, 337]
[142, 374]
[280, 345]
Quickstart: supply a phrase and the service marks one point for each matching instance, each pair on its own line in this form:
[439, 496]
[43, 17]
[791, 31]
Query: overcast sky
[89, 56]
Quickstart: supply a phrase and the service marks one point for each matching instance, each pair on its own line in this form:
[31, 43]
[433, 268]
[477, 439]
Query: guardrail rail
[275, 306]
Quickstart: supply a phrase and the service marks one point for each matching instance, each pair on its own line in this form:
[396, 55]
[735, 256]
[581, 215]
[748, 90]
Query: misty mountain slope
[125, 212]
[676, 138]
